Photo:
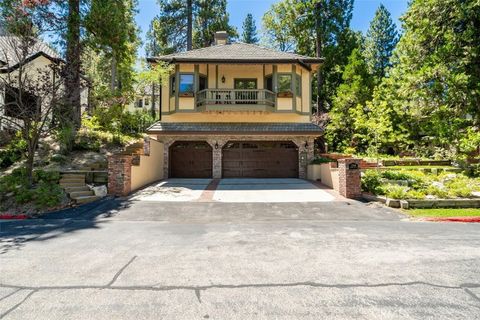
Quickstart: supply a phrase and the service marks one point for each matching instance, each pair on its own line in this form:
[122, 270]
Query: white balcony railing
[235, 97]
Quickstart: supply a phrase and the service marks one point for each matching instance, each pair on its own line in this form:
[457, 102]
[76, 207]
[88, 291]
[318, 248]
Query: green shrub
[371, 181]
[396, 192]
[415, 194]
[45, 192]
[320, 160]
[47, 195]
[437, 192]
[58, 158]
[14, 151]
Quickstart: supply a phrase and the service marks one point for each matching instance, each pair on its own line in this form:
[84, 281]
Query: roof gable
[9, 48]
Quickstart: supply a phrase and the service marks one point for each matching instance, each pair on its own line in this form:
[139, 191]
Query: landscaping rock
[100, 191]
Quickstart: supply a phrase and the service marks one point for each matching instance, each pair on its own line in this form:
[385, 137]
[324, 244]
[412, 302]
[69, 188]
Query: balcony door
[246, 96]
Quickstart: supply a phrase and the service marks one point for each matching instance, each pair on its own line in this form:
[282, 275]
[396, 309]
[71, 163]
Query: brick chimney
[221, 37]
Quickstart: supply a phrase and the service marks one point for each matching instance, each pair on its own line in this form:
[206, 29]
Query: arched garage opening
[260, 159]
[190, 159]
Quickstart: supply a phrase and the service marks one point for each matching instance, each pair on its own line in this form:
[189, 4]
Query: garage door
[190, 159]
[260, 159]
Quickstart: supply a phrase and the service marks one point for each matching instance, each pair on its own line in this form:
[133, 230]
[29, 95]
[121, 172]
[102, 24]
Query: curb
[7, 216]
[454, 219]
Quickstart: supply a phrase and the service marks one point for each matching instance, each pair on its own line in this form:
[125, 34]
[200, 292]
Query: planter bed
[440, 203]
[423, 203]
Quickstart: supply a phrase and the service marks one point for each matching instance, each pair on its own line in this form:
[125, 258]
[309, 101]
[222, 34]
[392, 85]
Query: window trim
[299, 81]
[173, 85]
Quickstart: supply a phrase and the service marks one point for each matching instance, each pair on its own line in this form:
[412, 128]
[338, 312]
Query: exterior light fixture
[223, 79]
[216, 145]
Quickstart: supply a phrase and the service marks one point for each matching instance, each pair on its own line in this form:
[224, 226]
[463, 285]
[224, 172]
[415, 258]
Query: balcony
[236, 100]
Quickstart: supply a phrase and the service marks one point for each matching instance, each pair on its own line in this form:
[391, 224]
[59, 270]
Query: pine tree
[249, 30]
[169, 32]
[380, 41]
[211, 17]
[283, 26]
[348, 105]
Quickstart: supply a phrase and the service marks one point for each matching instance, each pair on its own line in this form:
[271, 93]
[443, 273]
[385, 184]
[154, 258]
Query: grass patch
[454, 212]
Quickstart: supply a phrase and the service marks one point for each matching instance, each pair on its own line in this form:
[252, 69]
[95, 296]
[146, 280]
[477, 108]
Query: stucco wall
[325, 173]
[236, 117]
[150, 168]
[215, 73]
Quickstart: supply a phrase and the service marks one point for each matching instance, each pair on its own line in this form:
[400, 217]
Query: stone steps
[76, 188]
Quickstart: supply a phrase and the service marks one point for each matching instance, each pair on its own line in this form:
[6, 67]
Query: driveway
[124, 259]
[236, 190]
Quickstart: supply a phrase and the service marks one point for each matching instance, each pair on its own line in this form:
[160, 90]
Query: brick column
[349, 178]
[119, 175]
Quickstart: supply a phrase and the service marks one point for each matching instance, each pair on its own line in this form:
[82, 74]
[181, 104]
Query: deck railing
[235, 96]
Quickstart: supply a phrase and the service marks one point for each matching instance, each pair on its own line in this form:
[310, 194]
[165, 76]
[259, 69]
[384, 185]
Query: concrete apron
[236, 191]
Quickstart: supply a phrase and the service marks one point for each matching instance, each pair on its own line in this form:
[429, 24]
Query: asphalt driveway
[124, 259]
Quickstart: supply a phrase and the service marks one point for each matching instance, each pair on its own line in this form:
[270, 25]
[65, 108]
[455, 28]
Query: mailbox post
[349, 175]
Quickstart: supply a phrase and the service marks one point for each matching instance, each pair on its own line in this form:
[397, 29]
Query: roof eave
[306, 63]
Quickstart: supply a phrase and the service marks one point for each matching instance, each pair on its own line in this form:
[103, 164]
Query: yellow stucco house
[36, 64]
[236, 110]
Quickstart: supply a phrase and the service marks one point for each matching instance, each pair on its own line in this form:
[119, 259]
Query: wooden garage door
[190, 159]
[260, 159]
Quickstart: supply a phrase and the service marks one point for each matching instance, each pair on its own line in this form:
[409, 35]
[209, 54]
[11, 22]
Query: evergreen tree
[293, 23]
[348, 105]
[169, 32]
[380, 41]
[117, 48]
[435, 79]
[249, 30]
[211, 17]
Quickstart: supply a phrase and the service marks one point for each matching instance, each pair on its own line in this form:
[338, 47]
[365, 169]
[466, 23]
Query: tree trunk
[319, 47]
[152, 110]
[113, 75]
[189, 25]
[73, 63]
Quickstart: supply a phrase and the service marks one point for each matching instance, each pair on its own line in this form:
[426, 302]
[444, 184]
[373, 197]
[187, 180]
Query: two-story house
[237, 110]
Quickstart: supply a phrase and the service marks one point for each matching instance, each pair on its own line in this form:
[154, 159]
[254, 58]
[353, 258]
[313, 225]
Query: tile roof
[242, 127]
[10, 51]
[236, 52]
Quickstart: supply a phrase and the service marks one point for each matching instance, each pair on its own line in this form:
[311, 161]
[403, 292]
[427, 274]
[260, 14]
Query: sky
[363, 12]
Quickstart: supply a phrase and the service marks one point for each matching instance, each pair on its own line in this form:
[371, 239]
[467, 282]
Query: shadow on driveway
[15, 233]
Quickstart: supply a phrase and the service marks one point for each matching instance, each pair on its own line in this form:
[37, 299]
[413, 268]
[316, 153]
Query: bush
[117, 121]
[396, 192]
[45, 193]
[320, 160]
[437, 192]
[13, 152]
[372, 181]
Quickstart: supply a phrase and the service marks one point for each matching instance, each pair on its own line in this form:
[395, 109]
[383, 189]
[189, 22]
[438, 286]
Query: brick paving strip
[207, 194]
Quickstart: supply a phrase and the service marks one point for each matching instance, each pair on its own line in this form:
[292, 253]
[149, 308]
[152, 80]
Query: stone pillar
[349, 183]
[305, 154]
[217, 145]
[119, 175]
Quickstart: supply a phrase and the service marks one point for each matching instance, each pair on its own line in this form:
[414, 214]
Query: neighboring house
[144, 100]
[36, 62]
[237, 110]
